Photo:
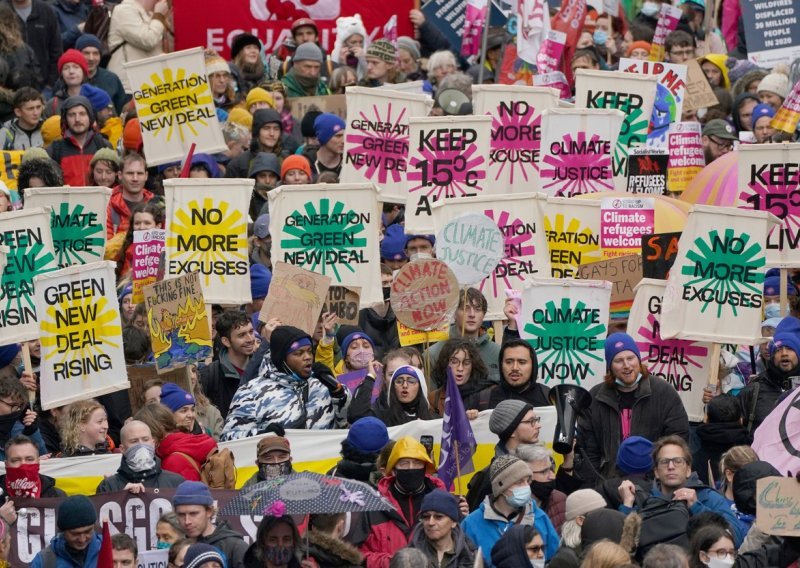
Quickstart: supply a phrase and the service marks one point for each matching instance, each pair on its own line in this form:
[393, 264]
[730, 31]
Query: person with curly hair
[84, 430]
[471, 374]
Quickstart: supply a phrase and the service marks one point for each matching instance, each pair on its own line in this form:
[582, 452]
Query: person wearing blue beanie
[329, 129]
[326, 126]
[393, 247]
[762, 123]
[635, 456]
[98, 97]
[8, 354]
[181, 404]
[365, 439]
[629, 402]
[772, 294]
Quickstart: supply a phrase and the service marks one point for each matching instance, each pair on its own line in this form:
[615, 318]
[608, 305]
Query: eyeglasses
[682, 52]
[14, 406]
[533, 421]
[403, 381]
[722, 145]
[535, 548]
[545, 470]
[677, 462]
[722, 553]
[460, 362]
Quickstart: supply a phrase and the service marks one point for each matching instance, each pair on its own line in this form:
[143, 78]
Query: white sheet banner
[175, 106]
[206, 226]
[330, 232]
[81, 334]
[633, 95]
[519, 218]
[577, 150]
[683, 363]
[572, 227]
[565, 321]
[78, 221]
[714, 291]
[27, 236]
[376, 137]
[769, 180]
[449, 157]
[515, 151]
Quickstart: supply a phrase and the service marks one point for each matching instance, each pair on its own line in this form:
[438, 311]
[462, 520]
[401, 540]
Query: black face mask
[272, 470]
[387, 292]
[542, 489]
[7, 422]
[410, 480]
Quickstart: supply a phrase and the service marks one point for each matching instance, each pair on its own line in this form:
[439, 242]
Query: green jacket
[294, 89]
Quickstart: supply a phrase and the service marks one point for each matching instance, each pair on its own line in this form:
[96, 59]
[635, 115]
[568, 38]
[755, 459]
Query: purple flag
[455, 428]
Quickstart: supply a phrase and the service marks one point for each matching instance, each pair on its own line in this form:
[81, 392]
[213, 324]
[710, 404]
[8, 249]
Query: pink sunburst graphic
[569, 171]
[515, 140]
[516, 237]
[383, 149]
[447, 172]
[680, 353]
[782, 200]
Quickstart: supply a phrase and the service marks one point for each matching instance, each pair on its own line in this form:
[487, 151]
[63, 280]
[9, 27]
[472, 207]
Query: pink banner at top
[477, 12]
[148, 246]
[549, 56]
[667, 22]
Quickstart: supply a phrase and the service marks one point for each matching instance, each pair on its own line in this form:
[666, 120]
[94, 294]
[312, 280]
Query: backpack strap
[49, 558]
[191, 461]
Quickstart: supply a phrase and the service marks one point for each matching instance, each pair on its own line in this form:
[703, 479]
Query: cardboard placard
[659, 252]
[295, 296]
[668, 19]
[425, 294]
[699, 93]
[624, 273]
[138, 375]
[344, 302]
[334, 104]
[179, 326]
[778, 506]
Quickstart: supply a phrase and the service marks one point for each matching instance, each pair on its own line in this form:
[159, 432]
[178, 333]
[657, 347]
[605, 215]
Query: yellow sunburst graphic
[570, 245]
[173, 102]
[78, 333]
[209, 238]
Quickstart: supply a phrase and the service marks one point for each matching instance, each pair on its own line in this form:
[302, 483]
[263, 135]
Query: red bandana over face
[24, 481]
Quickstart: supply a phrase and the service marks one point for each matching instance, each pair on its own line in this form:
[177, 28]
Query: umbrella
[306, 493]
[670, 213]
[716, 184]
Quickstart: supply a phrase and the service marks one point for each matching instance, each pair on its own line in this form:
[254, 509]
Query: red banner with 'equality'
[214, 24]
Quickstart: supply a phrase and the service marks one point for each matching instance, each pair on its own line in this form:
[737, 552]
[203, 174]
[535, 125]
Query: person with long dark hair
[463, 359]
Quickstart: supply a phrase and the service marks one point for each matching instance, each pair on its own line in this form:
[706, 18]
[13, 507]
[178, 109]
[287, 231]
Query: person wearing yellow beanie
[241, 117]
[257, 99]
[713, 65]
[51, 130]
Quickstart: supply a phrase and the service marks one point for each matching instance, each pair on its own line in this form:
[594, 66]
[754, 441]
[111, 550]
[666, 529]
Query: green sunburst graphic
[23, 263]
[77, 236]
[725, 270]
[327, 240]
[568, 336]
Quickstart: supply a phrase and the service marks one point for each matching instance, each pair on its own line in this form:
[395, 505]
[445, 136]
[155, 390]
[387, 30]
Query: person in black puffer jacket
[365, 440]
[722, 431]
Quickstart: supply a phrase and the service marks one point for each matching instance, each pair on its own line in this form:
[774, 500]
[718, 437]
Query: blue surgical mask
[520, 496]
[650, 9]
[162, 545]
[600, 37]
[772, 310]
[619, 383]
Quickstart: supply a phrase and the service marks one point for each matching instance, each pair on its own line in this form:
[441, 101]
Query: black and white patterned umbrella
[305, 493]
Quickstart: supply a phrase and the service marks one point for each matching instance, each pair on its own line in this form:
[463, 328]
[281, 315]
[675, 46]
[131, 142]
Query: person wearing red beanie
[73, 72]
[132, 137]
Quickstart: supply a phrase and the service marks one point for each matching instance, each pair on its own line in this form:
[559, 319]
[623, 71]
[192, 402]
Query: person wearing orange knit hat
[132, 137]
[295, 170]
[639, 50]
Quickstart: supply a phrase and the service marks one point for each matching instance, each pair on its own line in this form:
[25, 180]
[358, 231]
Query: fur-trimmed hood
[329, 551]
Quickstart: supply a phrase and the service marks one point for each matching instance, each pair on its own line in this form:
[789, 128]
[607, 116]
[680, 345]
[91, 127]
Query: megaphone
[451, 101]
[570, 401]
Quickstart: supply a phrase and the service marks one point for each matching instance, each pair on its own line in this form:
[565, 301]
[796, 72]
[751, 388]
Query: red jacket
[196, 446]
[74, 159]
[119, 215]
[389, 531]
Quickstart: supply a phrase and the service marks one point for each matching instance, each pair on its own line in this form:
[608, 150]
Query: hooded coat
[534, 393]
[332, 552]
[463, 548]
[385, 409]
[278, 396]
[229, 542]
[68, 153]
[239, 167]
[737, 103]
[761, 395]
[63, 559]
[185, 453]
[510, 549]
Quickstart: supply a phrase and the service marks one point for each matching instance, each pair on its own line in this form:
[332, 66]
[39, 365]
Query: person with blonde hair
[606, 554]
[84, 430]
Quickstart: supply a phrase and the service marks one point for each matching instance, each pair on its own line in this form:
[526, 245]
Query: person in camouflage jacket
[289, 390]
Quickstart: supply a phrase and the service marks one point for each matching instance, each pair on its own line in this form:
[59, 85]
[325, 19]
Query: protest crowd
[279, 248]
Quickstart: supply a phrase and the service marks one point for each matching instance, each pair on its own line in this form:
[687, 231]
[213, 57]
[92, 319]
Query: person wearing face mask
[290, 389]
[273, 458]
[406, 398]
[139, 467]
[712, 546]
[629, 402]
[408, 480]
[772, 295]
[648, 14]
[22, 477]
[543, 486]
[365, 440]
[511, 503]
[276, 544]
[168, 530]
[761, 395]
[519, 546]
[438, 534]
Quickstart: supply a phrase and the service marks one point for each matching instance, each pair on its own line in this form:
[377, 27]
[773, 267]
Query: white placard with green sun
[714, 291]
[81, 334]
[206, 225]
[175, 106]
[330, 230]
[27, 236]
[566, 323]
